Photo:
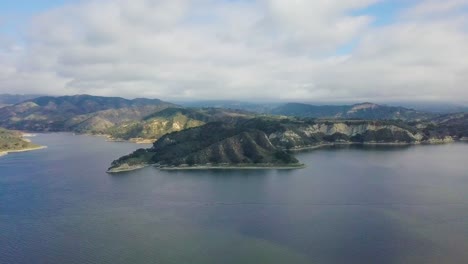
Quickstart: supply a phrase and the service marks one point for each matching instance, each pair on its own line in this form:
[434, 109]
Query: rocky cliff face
[309, 135]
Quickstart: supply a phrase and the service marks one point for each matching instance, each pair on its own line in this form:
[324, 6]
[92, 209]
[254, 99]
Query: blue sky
[29, 6]
[385, 12]
[14, 14]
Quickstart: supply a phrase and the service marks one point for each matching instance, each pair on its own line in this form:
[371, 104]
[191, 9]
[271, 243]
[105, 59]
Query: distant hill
[368, 111]
[451, 124]
[11, 99]
[81, 113]
[230, 104]
[170, 120]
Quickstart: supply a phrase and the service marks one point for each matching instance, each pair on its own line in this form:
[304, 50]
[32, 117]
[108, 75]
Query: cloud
[243, 49]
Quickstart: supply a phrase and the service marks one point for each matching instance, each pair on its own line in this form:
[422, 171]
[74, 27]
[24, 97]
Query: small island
[13, 141]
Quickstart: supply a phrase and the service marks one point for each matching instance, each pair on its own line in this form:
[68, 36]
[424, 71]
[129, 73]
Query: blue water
[350, 205]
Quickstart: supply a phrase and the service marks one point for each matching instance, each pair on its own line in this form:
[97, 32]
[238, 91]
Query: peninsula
[268, 142]
[13, 141]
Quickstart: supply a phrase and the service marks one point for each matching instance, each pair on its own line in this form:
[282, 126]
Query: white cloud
[245, 49]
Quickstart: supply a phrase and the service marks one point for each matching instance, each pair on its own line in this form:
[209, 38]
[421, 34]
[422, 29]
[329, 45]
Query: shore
[5, 152]
[132, 140]
[234, 167]
[127, 168]
[351, 144]
[372, 144]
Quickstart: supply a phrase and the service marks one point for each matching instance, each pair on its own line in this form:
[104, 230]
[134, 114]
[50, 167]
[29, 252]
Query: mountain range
[125, 119]
[80, 113]
[367, 111]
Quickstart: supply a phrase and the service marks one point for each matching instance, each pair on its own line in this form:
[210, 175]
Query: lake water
[350, 205]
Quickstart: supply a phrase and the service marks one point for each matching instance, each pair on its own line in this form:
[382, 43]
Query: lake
[383, 205]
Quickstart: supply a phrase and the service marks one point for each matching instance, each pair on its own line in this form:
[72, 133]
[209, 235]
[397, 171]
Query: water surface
[350, 205]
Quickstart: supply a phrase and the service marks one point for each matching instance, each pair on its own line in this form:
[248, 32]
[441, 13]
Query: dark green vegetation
[367, 111]
[13, 141]
[268, 140]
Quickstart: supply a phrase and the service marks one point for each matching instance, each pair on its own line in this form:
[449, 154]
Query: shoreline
[6, 152]
[233, 167]
[373, 144]
[128, 168]
[353, 143]
[140, 141]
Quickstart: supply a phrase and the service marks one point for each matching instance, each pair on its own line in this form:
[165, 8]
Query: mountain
[230, 104]
[367, 111]
[11, 99]
[170, 120]
[12, 141]
[266, 141]
[80, 113]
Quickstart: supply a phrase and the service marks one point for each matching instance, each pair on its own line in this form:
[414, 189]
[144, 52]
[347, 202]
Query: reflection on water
[355, 204]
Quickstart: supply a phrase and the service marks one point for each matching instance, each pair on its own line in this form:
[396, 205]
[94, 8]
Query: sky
[270, 50]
